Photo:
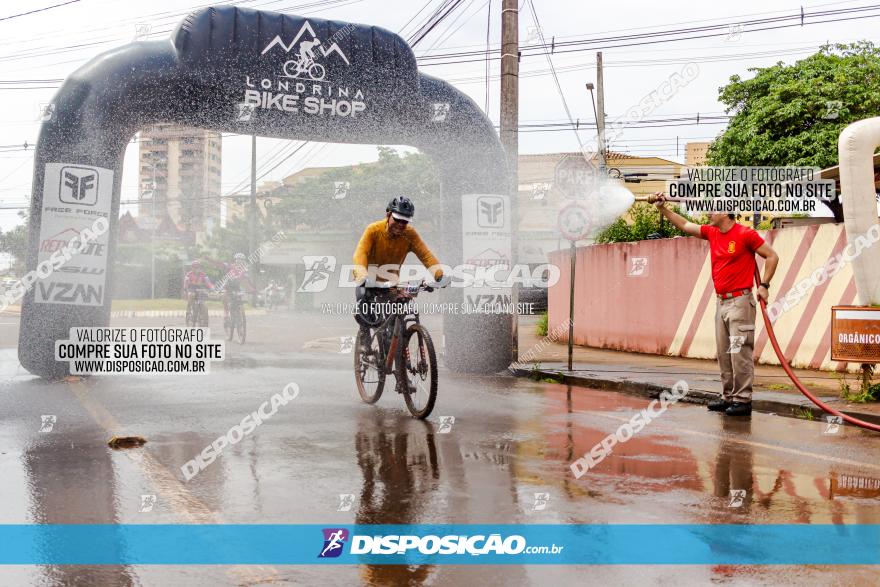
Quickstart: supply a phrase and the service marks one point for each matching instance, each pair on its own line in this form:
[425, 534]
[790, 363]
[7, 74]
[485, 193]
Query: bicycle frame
[395, 325]
[197, 296]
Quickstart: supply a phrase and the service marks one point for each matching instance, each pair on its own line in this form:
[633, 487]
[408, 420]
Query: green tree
[14, 243]
[793, 114]
[646, 220]
[371, 186]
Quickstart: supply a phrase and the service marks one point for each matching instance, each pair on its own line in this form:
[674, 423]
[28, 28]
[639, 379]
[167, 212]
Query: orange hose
[794, 379]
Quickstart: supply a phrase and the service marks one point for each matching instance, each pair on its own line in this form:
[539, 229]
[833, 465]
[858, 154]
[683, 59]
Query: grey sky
[43, 46]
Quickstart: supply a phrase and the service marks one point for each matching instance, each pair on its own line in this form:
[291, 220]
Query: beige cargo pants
[734, 341]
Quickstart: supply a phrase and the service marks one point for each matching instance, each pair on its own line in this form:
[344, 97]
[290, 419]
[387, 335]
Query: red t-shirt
[733, 256]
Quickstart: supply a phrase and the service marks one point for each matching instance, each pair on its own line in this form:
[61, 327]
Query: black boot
[719, 405]
[739, 409]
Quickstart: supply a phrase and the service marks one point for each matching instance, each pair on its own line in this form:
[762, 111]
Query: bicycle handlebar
[387, 285]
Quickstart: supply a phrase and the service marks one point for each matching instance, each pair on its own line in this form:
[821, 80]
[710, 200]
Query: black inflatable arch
[217, 59]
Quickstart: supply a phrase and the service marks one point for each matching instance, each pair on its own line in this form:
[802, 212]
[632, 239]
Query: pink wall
[616, 310]
[670, 307]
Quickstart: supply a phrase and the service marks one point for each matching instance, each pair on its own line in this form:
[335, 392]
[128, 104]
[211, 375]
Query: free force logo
[490, 212]
[79, 185]
[334, 539]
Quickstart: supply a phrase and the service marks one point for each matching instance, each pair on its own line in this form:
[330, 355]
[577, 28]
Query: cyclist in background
[236, 276]
[196, 278]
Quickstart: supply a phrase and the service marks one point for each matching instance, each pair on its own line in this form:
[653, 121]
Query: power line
[556, 80]
[611, 42]
[38, 10]
[488, 29]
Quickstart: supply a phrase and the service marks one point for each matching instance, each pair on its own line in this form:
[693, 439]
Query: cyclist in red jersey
[196, 278]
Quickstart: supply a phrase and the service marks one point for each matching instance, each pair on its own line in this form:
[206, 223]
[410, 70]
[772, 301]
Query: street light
[600, 147]
[154, 188]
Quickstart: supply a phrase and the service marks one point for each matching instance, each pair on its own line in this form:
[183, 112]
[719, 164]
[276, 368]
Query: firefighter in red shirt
[732, 247]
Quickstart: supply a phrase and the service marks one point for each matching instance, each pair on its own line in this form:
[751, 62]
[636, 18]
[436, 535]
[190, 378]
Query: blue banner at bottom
[492, 544]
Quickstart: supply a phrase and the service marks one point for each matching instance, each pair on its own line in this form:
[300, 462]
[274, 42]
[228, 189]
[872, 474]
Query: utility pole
[509, 138]
[252, 217]
[153, 235]
[600, 118]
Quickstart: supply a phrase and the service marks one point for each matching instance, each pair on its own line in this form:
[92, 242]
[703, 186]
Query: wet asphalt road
[511, 438]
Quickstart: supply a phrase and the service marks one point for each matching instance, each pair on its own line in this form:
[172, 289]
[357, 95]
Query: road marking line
[753, 443]
[166, 484]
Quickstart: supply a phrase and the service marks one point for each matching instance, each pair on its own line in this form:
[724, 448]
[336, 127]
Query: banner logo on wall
[486, 232]
[301, 84]
[74, 197]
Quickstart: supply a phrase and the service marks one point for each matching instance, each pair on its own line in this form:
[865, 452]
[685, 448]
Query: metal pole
[600, 119]
[252, 220]
[509, 139]
[572, 254]
[153, 238]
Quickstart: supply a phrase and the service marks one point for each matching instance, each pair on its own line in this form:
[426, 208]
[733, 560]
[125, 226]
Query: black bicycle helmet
[401, 208]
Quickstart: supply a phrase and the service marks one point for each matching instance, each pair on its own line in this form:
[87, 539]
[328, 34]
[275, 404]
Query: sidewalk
[650, 374]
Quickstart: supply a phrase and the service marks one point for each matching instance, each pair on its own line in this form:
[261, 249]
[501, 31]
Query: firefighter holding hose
[732, 248]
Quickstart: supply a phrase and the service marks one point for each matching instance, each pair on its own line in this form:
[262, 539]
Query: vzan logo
[79, 185]
[71, 293]
[301, 85]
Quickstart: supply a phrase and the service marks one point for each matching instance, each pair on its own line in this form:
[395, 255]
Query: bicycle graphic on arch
[304, 65]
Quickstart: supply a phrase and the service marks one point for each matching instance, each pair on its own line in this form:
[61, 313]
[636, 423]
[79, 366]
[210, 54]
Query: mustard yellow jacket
[378, 247]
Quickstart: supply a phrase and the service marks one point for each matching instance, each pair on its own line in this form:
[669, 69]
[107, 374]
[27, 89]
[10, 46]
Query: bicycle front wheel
[369, 373]
[202, 314]
[419, 371]
[316, 71]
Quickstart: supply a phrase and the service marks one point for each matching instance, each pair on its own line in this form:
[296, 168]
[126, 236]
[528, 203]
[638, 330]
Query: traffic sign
[574, 222]
[576, 177]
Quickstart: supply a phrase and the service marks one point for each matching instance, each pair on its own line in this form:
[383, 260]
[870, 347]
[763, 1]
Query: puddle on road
[720, 472]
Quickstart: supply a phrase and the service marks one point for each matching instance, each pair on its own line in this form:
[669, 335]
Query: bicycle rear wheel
[229, 317]
[419, 371]
[190, 314]
[241, 324]
[369, 373]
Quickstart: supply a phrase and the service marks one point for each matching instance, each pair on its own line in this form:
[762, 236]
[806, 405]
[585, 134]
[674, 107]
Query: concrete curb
[796, 408]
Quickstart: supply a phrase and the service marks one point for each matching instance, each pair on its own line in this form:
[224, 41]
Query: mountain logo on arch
[308, 46]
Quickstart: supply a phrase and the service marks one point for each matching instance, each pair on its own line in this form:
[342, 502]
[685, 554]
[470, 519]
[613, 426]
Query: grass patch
[541, 326]
[780, 386]
[863, 396]
[805, 413]
[867, 392]
[551, 379]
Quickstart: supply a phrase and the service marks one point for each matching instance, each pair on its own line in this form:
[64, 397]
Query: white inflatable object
[856, 147]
